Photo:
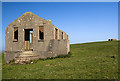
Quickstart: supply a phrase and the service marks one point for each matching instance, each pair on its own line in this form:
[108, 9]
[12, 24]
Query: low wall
[55, 48]
[10, 55]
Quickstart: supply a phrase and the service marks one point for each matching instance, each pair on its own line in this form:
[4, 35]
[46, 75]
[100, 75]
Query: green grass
[98, 60]
[0, 66]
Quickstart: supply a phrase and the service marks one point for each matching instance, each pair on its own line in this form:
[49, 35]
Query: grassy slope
[0, 67]
[88, 61]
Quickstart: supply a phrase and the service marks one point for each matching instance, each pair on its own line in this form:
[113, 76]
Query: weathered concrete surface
[40, 47]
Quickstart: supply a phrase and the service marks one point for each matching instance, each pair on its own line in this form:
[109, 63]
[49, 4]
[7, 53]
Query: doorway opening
[28, 39]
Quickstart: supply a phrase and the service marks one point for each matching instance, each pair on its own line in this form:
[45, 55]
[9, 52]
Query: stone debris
[47, 65]
[26, 58]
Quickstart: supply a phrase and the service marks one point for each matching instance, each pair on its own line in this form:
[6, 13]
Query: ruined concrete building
[112, 39]
[30, 36]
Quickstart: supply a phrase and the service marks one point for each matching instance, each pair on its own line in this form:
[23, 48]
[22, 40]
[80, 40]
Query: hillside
[97, 60]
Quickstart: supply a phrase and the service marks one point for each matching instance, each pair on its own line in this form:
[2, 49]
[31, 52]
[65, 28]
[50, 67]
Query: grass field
[97, 60]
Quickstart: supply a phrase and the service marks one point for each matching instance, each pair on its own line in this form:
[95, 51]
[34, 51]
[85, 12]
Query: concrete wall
[40, 47]
[57, 47]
